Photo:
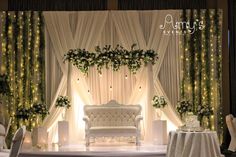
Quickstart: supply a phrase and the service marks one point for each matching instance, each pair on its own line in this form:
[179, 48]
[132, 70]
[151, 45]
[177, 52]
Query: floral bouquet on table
[40, 110]
[183, 107]
[159, 102]
[64, 102]
[204, 111]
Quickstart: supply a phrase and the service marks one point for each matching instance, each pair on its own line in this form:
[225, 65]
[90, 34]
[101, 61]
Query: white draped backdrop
[68, 30]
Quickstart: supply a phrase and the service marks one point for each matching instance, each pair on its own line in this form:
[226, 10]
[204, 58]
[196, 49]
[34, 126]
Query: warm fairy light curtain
[22, 59]
[202, 64]
[69, 30]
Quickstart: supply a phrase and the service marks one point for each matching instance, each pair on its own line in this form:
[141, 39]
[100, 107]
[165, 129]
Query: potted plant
[159, 102]
[63, 102]
[39, 111]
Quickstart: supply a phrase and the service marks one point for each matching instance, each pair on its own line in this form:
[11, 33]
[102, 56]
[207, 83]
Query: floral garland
[63, 101]
[108, 57]
[159, 102]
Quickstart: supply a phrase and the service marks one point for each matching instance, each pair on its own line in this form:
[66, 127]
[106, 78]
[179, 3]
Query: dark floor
[229, 153]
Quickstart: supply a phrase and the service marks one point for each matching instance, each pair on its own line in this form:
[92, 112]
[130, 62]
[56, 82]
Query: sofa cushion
[112, 130]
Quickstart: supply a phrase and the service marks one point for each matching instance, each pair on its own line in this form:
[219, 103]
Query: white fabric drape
[86, 30]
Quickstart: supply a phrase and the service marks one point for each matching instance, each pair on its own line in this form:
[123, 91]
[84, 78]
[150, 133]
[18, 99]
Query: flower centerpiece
[204, 112]
[39, 111]
[183, 107]
[159, 102]
[63, 102]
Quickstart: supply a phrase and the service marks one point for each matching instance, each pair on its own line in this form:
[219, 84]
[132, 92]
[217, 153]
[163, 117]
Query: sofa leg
[87, 141]
[137, 141]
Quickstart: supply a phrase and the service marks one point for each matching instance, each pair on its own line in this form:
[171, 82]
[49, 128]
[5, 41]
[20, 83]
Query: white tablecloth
[193, 144]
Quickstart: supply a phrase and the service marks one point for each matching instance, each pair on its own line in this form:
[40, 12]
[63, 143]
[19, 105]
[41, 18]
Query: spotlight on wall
[140, 89]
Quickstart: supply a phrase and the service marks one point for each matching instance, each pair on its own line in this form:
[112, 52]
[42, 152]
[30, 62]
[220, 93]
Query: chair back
[17, 142]
[7, 130]
[8, 126]
[2, 136]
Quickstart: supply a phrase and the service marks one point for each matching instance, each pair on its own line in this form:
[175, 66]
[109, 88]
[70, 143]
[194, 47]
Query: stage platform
[99, 150]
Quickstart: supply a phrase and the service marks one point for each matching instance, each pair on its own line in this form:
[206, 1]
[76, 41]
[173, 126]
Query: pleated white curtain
[88, 29]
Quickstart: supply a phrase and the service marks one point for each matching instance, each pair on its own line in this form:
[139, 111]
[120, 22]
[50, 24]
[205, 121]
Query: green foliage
[206, 111]
[22, 113]
[23, 62]
[108, 57]
[202, 66]
[4, 85]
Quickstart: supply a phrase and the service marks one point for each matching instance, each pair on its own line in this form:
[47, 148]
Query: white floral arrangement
[159, 102]
[63, 101]
[205, 110]
[108, 57]
[183, 107]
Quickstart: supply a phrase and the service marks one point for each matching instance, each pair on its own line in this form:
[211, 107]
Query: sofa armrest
[87, 122]
[138, 118]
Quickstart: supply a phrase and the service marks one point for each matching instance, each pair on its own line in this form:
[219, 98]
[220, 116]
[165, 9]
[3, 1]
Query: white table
[193, 144]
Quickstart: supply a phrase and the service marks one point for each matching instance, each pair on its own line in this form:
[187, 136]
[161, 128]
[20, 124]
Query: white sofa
[112, 119]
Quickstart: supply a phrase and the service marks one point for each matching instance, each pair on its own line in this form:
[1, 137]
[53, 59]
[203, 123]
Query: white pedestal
[63, 132]
[159, 132]
[40, 136]
[27, 143]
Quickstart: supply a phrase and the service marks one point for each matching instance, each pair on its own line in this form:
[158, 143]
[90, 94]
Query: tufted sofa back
[112, 114]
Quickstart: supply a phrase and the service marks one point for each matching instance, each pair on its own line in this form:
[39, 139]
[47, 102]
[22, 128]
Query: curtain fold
[101, 28]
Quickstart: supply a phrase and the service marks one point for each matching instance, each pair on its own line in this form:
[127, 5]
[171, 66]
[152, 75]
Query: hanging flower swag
[108, 57]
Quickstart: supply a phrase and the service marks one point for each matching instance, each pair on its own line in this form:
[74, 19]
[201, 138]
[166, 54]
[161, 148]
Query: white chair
[16, 144]
[2, 136]
[231, 124]
[7, 130]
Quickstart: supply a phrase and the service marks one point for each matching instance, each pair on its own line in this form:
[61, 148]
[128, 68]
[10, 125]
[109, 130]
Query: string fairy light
[21, 42]
[201, 64]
